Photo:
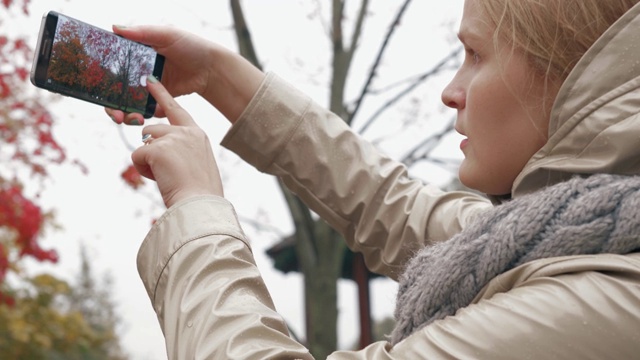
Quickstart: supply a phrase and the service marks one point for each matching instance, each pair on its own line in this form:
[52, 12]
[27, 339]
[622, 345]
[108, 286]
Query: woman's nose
[453, 96]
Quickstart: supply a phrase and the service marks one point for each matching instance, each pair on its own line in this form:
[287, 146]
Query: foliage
[25, 219]
[41, 317]
[28, 143]
[50, 319]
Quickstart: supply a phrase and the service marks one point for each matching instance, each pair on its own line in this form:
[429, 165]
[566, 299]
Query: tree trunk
[321, 295]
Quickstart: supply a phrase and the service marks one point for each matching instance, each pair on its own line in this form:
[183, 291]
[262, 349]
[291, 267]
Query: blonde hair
[552, 34]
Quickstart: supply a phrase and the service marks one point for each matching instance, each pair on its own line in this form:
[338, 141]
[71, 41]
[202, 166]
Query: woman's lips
[463, 143]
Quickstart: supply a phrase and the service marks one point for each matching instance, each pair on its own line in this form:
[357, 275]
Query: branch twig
[376, 64]
[408, 89]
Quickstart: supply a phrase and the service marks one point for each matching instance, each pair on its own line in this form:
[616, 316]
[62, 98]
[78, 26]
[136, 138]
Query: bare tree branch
[419, 80]
[342, 58]
[340, 62]
[124, 139]
[423, 149]
[357, 30]
[376, 64]
[336, 25]
[243, 35]
[411, 80]
[318, 13]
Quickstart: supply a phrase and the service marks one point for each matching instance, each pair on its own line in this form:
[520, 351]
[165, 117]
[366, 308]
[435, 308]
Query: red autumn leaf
[5, 89]
[28, 143]
[20, 44]
[132, 177]
[25, 218]
[22, 73]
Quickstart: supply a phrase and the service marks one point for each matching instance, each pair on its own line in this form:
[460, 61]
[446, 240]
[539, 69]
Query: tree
[69, 56]
[319, 248]
[28, 148]
[51, 319]
[39, 318]
[94, 302]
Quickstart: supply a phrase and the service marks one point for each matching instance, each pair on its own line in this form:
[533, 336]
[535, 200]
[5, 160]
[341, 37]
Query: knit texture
[593, 215]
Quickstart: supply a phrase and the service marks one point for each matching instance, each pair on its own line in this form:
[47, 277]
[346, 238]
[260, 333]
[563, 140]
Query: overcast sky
[111, 220]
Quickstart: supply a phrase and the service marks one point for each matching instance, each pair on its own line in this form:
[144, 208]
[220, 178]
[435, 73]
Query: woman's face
[503, 108]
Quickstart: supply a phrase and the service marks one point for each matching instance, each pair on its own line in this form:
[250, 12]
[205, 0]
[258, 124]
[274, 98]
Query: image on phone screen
[91, 64]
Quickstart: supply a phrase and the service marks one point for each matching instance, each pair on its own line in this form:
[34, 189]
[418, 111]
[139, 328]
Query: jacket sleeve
[366, 196]
[212, 303]
[209, 296]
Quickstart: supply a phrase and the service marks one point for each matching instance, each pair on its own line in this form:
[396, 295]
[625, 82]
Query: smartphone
[86, 62]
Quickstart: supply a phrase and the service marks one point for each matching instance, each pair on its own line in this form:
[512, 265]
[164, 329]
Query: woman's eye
[472, 55]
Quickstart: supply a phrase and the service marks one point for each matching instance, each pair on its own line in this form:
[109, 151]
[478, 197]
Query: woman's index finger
[174, 112]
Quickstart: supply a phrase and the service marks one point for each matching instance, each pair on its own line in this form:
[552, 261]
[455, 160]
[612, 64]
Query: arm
[195, 263]
[368, 197]
[208, 294]
[365, 195]
[212, 303]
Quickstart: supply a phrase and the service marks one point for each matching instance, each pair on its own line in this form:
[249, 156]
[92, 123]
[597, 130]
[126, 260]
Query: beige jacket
[212, 303]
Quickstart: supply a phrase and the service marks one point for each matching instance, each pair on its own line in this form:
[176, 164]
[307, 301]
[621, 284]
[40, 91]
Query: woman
[548, 99]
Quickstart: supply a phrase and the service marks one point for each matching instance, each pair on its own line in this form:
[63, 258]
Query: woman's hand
[177, 156]
[194, 65]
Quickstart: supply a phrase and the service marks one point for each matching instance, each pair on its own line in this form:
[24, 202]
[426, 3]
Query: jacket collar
[595, 120]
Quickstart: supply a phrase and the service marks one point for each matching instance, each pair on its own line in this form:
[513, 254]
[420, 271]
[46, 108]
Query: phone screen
[88, 63]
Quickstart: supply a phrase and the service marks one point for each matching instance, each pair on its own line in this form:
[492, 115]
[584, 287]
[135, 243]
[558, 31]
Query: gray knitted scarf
[593, 215]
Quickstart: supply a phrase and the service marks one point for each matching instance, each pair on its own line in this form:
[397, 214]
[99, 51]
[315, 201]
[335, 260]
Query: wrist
[231, 82]
[185, 195]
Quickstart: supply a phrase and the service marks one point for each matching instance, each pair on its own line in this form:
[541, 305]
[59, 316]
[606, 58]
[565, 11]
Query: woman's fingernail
[152, 79]
[113, 119]
[135, 122]
[120, 26]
